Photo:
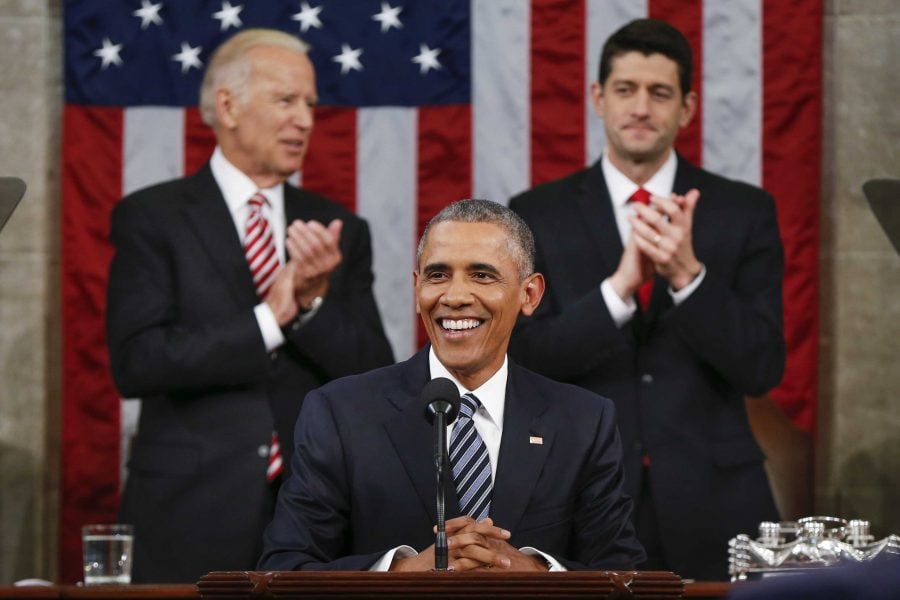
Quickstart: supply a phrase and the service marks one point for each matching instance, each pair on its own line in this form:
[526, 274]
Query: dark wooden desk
[335, 586]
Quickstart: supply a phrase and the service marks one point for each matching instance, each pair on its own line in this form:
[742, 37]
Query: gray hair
[230, 69]
[519, 238]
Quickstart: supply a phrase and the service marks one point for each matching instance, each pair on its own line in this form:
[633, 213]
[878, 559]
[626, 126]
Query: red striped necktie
[259, 247]
[646, 290]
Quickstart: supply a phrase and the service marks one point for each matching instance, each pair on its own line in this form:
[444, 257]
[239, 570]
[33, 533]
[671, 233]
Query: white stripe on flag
[602, 19]
[500, 98]
[153, 146]
[732, 88]
[386, 196]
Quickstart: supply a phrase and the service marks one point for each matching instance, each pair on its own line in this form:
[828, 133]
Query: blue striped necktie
[470, 463]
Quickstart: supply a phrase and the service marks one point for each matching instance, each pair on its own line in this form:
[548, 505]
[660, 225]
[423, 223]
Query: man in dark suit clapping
[231, 295]
[664, 294]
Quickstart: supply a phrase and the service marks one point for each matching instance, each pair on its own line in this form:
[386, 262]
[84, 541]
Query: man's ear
[226, 109]
[416, 290]
[532, 292]
[689, 109]
[597, 100]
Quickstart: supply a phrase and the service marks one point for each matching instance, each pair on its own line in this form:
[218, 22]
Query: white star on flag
[349, 59]
[427, 59]
[149, 13]
[188, 57]
[109, 54]
[388, 17]
[308, 17]
[229, 15]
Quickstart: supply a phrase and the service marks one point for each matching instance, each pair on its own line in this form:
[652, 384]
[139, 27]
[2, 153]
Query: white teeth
[458, 324]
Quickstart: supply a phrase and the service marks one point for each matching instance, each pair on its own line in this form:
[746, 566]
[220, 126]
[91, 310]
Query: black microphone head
[440, 395]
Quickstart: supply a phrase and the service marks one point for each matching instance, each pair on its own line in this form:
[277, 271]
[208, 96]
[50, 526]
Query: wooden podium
[441, 585]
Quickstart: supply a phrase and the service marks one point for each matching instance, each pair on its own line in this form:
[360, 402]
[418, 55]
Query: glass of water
[107, 554]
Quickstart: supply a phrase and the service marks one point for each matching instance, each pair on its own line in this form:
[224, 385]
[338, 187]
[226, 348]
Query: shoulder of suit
[549, 191]
[365, 386]
[713, 183]
[562, 394]
[318, 203]
[159, 197]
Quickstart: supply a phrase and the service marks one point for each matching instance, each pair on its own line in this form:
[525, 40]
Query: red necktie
[259, 247]
[646, 290]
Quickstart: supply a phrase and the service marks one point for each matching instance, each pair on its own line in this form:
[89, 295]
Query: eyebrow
[439, 266]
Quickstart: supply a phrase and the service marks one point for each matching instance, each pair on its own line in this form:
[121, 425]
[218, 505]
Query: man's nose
[641, 104]
[458, 292]
[303, 115]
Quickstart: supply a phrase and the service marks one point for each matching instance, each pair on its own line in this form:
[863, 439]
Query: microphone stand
[440, 464]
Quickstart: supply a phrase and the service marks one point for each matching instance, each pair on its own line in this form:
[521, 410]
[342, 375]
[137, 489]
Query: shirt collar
[492, 393]
[621, 188]
[237, 188]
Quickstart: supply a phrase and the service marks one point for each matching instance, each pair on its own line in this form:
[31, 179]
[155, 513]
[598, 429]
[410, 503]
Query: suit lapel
[209, 218]
[412, 437]
[596, 215]
[524, 448]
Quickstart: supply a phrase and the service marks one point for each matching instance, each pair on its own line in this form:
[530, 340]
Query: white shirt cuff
[268, 326]
[681, 295]
[620, 310]
[384, 563]
[551, 562]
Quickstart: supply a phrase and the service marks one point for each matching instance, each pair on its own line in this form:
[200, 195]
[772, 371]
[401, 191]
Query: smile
[459, 324]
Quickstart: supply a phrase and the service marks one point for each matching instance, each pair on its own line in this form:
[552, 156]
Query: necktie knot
[641, 196]
[468, 404]
[257, 201]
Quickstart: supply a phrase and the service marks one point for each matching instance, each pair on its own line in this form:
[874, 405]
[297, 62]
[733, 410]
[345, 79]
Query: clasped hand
[660, 243]
[474, 545]
[314, 252]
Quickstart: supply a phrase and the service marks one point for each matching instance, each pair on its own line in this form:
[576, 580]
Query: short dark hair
[649, 36]
[519, 236]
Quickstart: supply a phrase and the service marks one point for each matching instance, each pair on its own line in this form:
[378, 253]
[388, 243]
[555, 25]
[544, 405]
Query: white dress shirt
[620, 191]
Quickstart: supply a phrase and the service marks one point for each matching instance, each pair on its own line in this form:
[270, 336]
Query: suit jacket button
[647, 378]
[263, 451]
[273, 354]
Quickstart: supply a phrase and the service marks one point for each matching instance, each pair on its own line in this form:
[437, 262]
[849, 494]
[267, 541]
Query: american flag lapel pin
[536, 440]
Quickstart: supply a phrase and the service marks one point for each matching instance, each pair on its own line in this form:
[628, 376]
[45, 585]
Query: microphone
[441, 399]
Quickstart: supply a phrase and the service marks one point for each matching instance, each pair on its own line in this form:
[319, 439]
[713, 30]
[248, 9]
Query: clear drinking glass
[107, 554]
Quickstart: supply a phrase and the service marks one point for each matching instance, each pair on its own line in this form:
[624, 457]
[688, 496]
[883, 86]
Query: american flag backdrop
[422, 102]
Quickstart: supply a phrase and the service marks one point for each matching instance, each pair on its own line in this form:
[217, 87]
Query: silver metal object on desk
[809, 543]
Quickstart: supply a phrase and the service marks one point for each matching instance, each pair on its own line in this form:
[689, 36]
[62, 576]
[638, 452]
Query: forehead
[635, 66]
[456, 242]
[276, 64]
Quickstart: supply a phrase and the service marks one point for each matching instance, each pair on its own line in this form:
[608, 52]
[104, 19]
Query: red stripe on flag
[199, 141]
[792, 91]
[444, 171]
[687, 16]
[330, 165]
[92, 183]
[557, 88]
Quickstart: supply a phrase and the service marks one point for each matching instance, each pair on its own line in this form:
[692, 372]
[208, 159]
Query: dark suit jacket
[678, 375]
[364, 479]
[183, 337]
